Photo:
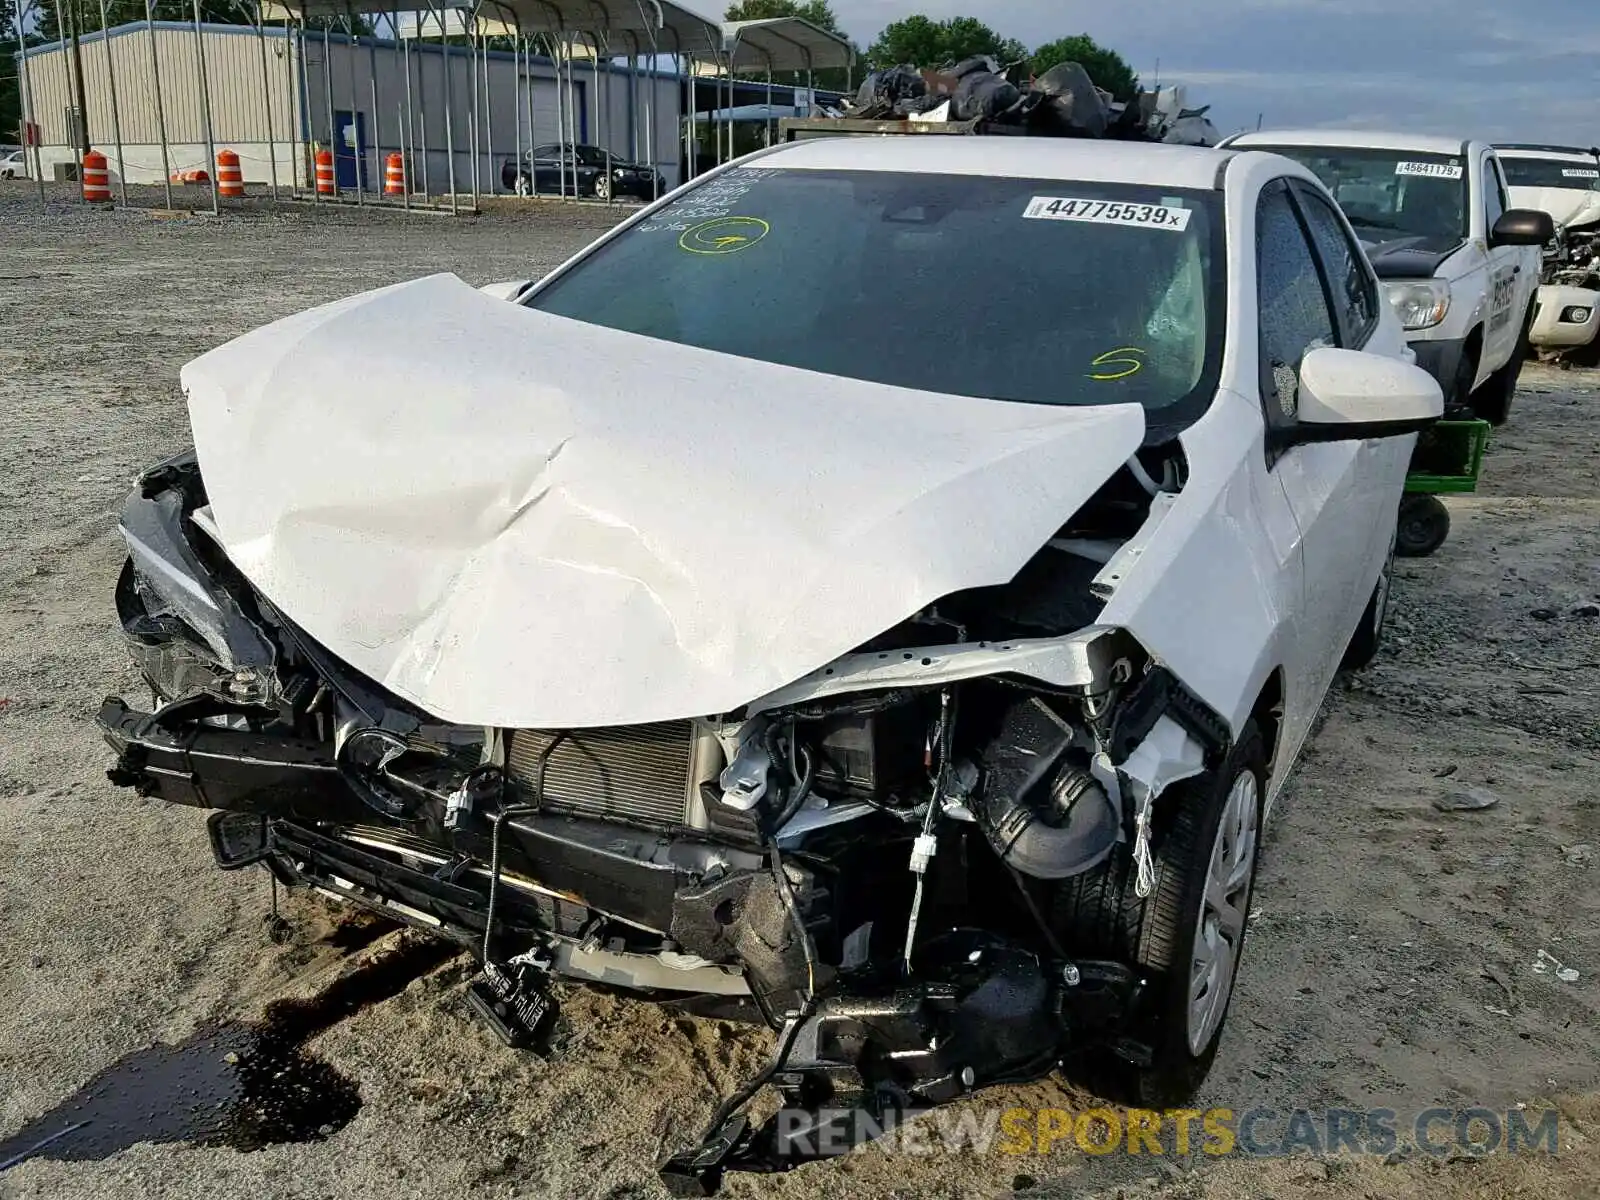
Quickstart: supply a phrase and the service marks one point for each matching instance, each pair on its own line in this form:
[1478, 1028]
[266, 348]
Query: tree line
[924, 42]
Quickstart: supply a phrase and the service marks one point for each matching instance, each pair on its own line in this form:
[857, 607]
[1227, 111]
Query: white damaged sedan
[876, 591]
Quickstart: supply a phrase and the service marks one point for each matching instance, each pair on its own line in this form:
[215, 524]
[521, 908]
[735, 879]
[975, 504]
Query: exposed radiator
[636, 773]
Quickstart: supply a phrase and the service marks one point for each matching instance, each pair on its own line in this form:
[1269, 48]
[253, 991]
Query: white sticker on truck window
[1107, 212]
[1451, 170]
[1579, 173]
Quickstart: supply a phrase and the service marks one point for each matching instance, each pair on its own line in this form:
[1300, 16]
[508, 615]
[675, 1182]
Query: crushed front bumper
[858, 1049]
[238, 771]
[1567, 318]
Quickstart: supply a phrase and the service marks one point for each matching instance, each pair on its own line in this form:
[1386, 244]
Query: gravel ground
[1392, 961]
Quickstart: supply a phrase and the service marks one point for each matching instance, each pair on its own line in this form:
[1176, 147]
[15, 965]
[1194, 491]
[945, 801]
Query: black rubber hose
[1043, 814]
[859, 706]
[1064, 833]
[796, 798]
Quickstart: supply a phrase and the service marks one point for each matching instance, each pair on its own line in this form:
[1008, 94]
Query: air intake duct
[1044, 815]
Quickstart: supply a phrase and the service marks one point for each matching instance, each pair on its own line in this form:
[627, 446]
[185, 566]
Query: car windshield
[590, 156]
[1552, 173]
[1390, 194]
[1047, 292]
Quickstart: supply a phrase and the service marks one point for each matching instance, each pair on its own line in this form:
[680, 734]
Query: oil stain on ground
[232, 1084]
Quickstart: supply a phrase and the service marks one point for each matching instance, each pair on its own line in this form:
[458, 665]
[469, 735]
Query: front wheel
[1366, 641]
[602, 188]
[1186, 938]
[1492, 402]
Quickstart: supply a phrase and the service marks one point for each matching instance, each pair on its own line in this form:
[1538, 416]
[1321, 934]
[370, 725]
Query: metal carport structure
[590, 29]
[778, 44]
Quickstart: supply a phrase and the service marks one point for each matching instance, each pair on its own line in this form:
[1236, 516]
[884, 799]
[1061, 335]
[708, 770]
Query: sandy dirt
[1394, 961]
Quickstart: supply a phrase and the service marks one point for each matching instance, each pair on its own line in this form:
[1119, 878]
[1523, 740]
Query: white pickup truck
[1459, 265]
[1563, 181]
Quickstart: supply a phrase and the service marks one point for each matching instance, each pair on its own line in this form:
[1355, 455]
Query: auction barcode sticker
[1451, 170]
[1107, 212]
[1580, 173]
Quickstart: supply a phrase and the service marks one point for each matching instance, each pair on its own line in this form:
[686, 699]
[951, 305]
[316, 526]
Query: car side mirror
[1346, 395]
[1522, 227]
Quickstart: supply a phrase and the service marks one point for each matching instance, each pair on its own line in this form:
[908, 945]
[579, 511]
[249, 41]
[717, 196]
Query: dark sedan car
[557, 169]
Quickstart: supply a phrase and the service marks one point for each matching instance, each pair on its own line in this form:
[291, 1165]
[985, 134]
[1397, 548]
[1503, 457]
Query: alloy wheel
[1220, 933]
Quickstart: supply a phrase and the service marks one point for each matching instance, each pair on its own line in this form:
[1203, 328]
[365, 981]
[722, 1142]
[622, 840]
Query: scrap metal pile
[1062, 102]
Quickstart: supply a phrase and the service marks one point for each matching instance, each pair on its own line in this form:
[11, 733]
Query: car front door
[1343, 506]
[1502, 326]
[1354, 295]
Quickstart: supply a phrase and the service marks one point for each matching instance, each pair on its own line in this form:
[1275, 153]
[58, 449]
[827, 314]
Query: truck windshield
[1389, 194]
[1046, 292]
[1552, 173]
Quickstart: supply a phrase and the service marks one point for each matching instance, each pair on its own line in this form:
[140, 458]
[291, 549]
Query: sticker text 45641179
[1107, 212]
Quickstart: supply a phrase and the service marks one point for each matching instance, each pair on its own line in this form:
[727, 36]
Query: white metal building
[275, 95]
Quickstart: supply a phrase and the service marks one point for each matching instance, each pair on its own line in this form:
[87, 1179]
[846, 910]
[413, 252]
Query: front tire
[1186, 938]
[1367, 640]
[1492, 402]
[1458, 395]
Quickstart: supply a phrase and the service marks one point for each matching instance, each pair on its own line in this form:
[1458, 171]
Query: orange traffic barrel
[230, 179]
[325, 183]
[96, 178]
[394, 176]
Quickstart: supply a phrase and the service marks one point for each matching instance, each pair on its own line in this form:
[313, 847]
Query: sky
[1527, 72]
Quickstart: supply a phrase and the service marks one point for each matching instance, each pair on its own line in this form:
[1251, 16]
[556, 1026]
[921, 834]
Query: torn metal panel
[1085, 660]
[1169, 754]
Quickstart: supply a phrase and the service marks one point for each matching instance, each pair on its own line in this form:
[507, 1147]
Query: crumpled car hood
[1566, 206]
[518, 520]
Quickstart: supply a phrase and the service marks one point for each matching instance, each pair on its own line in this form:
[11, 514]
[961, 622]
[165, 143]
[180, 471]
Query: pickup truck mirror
[1346, 395]
[1522, 227]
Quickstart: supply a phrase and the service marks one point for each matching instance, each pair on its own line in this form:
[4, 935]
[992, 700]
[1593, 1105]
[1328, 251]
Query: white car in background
[1563, 181]
[878, 590]
[13, 163]
[1459, 263]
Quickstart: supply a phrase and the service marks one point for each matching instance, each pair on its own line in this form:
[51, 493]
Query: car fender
[1207, 588]
[1467, 273]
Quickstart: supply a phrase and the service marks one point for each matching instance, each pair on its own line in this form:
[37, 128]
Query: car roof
[1352, 139]
[1019, 157]
[1563, 153]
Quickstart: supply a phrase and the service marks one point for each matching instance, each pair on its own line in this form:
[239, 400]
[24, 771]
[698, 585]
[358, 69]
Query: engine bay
[870, 861]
